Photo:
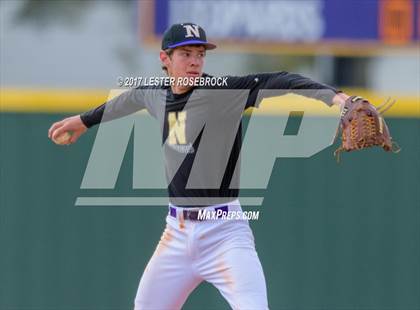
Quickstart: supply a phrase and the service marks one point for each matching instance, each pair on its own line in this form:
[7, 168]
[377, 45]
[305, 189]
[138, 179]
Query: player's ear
[164, 58]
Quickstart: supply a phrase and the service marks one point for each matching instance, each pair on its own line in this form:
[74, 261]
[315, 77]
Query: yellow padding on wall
[52, 101]
[76, 101]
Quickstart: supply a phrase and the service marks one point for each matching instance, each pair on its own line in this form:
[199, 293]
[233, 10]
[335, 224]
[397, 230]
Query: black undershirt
[135, 100]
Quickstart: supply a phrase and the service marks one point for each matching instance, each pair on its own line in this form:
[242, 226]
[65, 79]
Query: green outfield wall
[330, 236]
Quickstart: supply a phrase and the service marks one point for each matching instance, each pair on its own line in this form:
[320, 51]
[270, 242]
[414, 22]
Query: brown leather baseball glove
[363, 126]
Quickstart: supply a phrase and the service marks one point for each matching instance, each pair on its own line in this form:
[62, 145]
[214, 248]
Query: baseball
[62, 139]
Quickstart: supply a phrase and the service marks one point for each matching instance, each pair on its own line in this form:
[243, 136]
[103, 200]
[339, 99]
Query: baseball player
[192, 250]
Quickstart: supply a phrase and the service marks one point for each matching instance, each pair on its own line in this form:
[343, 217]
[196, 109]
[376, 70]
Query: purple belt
[192, 215]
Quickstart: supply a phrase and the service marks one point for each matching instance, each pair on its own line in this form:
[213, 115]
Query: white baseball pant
[221, 252]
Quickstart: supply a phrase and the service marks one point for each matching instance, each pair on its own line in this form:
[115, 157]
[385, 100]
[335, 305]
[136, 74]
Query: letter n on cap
[192, 31]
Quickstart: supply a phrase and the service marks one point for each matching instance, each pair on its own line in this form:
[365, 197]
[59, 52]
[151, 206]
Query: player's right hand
[73, 124]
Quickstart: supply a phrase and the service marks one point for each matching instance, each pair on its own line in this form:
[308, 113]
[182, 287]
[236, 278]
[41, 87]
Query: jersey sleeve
[288, 82]
[126, 103]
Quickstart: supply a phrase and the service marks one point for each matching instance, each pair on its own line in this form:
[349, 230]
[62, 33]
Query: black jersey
[202, 129]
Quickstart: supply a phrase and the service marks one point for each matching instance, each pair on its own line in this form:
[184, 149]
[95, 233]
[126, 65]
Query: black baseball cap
[185, 34]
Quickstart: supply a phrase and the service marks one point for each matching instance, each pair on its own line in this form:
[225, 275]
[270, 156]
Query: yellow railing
[76, 101]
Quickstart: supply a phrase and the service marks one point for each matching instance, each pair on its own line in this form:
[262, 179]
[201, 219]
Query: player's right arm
[71, 124]
[127, 103]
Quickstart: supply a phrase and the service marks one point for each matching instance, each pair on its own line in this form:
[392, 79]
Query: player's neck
[179, 90]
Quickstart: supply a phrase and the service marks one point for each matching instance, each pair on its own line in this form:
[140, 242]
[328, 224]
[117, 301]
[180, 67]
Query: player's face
[186, 61]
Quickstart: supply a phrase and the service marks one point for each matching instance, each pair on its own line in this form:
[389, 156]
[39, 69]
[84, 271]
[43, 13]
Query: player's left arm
[295, 81]
[361, 123]
[288, 82]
